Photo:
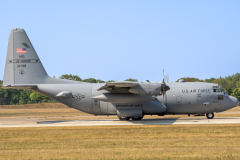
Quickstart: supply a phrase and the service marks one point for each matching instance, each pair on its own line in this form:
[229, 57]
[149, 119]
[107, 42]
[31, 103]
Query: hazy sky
[117, 39]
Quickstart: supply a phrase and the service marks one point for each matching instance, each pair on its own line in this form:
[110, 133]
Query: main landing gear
[127, 118]
[136, 118]
[210, 115]
[124, 118]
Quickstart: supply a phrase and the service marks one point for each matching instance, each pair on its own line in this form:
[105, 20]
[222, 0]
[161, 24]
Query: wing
[142, 88]
[118, 87]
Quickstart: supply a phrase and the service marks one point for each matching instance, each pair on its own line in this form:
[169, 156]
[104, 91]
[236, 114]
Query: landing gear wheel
[123, 118]
[210, 115]
[136, 118]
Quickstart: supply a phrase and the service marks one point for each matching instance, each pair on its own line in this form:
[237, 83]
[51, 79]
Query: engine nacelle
[147, 89]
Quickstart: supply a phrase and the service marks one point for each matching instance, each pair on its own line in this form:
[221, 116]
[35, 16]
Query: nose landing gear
[210, 115]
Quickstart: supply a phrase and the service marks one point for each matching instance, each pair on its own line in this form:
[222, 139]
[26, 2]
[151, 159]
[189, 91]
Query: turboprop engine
[149, 89]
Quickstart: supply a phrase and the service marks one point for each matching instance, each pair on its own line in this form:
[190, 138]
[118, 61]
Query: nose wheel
[210, 115]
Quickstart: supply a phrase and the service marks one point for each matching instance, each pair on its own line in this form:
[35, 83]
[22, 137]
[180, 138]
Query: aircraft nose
[234, 101]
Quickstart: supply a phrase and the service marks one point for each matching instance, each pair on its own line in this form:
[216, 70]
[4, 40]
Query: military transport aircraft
[127, 100]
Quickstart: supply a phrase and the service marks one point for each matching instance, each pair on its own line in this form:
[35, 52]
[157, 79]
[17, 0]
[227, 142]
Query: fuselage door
[179, 101]
[96, 106]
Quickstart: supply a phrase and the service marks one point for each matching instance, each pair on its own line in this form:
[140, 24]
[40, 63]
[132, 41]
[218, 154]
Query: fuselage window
[220, 97]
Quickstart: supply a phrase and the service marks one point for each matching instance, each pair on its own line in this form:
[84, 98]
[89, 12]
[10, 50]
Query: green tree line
[16, 96]
[231, 84]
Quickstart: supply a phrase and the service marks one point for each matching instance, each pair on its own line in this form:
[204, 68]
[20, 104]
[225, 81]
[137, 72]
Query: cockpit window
[216, 89]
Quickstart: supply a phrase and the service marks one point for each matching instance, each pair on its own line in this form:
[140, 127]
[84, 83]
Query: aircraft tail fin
[23, 65]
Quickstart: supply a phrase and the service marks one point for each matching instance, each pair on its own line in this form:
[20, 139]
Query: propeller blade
[167, 78]
[163, 77]
[163, 86]
[163, 94]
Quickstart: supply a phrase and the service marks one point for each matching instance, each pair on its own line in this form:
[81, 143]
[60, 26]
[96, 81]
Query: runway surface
[23, 122]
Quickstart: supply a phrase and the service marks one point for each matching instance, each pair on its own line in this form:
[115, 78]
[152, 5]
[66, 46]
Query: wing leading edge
[123, 84]
[142, 88]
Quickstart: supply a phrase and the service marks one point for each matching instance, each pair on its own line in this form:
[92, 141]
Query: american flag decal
[21, 50]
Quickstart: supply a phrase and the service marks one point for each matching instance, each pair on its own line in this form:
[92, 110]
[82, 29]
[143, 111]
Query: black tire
[210, 115]
[136, 118]
[123, 118]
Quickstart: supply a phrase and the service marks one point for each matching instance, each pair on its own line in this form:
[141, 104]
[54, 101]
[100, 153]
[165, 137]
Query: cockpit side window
[216, 89]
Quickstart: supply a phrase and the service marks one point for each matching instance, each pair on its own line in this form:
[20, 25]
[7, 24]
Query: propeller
[164, 86]
[167, 78]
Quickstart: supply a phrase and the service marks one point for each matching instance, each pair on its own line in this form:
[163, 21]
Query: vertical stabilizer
[22, 63]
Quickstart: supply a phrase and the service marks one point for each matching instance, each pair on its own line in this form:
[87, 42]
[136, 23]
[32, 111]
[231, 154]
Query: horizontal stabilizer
[19, 86]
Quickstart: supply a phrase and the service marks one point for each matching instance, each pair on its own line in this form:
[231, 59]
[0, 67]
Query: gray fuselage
[182, 98]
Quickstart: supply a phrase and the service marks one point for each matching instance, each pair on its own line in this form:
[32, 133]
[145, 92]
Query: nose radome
[234, 100]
